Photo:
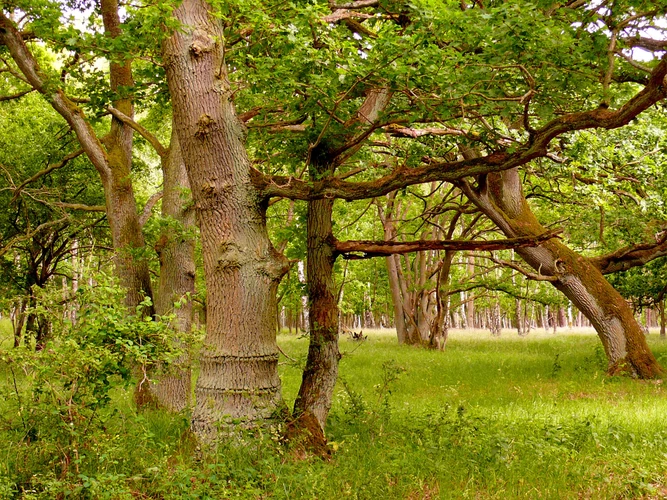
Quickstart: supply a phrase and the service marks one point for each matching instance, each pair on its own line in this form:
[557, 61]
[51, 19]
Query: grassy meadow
[507, 417]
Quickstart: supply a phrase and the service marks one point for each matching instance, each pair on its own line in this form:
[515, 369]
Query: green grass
[512, 417]
[6, 333]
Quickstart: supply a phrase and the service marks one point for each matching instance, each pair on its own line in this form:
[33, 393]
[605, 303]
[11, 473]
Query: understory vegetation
[508, 417]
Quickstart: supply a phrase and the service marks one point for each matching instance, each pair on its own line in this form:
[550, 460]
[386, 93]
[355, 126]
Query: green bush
[58, 399]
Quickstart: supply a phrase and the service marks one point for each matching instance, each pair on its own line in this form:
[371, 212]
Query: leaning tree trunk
[500, 196]
[239, 377]
[175, 248]
[112, 163]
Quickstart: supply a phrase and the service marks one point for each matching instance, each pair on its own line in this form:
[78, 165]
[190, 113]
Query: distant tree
[645, 286]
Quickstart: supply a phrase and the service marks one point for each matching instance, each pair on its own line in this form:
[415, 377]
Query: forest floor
[508, 417]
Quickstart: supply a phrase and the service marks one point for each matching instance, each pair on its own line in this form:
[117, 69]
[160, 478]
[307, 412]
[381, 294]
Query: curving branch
[631, 256]
[364, 249]
[143, 131]
[47, 170]
[646, 43]
[31, 72]
[521, 270]
[8, 245]
[148, 208]
[15, 96]
[536, 147]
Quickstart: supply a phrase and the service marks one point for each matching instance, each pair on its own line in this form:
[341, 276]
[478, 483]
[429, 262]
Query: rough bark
[175, 249]
[121, 205]
[238, 380]
[321, 372]
[500, 197]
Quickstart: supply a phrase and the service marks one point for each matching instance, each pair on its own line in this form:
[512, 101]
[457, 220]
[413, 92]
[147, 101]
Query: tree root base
[306, 438]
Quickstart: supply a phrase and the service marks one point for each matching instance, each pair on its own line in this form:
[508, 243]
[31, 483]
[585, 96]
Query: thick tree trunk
[175, 248]
[501, 198]
[238, 378]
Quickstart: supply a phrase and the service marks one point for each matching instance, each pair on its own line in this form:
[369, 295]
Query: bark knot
[202, 42]
[559, 264]
[204, 126]
[230, 255]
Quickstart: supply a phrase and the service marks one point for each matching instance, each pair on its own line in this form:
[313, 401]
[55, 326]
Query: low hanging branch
[353, 250]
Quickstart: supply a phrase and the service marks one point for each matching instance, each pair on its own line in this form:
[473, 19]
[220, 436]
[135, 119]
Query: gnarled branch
[631, 256]
[364, 249]
[536, 147]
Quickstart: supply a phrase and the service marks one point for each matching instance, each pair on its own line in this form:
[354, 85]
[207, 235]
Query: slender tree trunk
[111, 162]
[661, 310]
[501, 198]
[439, 325]
[470, 304]
[393, 263]
[321, 372]
[238, 377]
[175, 248]
[126, 232]
[18, 320]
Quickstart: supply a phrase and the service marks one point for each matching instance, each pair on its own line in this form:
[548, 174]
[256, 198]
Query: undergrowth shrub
[59, 397]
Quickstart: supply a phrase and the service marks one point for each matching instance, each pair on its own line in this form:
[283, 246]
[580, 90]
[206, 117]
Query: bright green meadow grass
[507, 417]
